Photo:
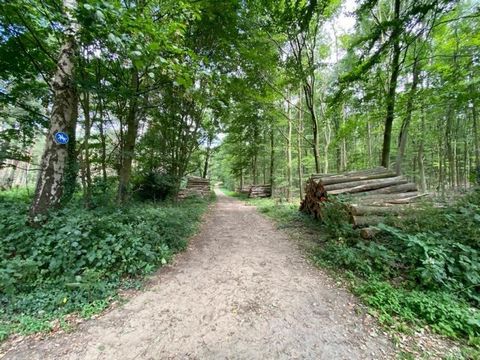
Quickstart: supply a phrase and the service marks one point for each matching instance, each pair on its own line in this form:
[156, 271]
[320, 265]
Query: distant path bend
[242, 290]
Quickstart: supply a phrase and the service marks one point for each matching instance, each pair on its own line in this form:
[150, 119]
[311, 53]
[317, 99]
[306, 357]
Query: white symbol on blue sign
[61, 138]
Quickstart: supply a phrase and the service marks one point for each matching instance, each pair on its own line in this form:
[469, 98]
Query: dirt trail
[242, 290]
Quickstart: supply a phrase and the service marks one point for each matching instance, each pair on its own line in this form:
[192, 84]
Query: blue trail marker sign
[61, 138]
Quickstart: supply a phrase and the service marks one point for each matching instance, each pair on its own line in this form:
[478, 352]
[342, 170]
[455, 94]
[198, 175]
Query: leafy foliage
[76, 261]
[154, 186]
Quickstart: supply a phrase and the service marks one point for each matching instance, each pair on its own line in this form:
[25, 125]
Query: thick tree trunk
[129, 143]
[391, 95]
[56, 179]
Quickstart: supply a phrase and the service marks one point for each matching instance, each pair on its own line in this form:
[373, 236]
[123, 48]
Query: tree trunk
[403, 137]
[254, 168]
[57, 175]
[309, 101]
[207, 158]
[289, 154]
[86, 149]
[477, 143]
[129, 142]
[391, 95]
[272, 159]
[299, 152]
[450, 148]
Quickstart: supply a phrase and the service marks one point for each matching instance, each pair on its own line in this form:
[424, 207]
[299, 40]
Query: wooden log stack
[261, 191]
[196, 186]
[245, 190]
[371, 195]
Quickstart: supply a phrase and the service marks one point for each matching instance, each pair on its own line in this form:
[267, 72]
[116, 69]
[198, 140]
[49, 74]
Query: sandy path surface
[242, 290]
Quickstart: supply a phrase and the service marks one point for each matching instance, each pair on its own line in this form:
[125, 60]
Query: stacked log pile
[195, 186]
[260, 191]
[245, 190]
[371, 195]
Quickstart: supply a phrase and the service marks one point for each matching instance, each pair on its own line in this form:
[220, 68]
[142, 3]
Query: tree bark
[403, 137]
[86, 149]
[299, 152]
[391, 95]
[57, 175]
[207, 158]
[128, 148]
[272, 159]
[477, 143]
[289, 154]
[103, 144]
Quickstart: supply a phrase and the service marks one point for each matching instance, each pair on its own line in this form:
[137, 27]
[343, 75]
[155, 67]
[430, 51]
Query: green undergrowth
[79, 259]
[424, 271]
[234, 194]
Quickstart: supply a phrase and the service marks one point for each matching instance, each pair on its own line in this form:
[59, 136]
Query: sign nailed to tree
[61, 138]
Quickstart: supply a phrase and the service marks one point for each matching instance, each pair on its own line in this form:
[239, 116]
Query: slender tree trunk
[103, 148]
[369, 143]
[254, 168]
[391, 95]
[207, 158]
[299, 153]
[272, 158]
[309, 101]
[403, 137]
[128, 149]
[289, 154]
[56, 179]
[450, 148]
[476, 140]
[86, 149]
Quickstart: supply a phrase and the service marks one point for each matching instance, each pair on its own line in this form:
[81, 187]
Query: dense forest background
[246, 92]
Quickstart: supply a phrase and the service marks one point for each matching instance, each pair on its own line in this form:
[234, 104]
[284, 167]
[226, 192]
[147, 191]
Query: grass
[78, 261]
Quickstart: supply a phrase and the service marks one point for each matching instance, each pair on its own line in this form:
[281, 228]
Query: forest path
[242, 290]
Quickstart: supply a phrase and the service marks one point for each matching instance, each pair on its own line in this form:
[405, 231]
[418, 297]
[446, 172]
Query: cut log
[403, 188]
[339, 179]
[369, 195]
[363, 210]
[368, 233]
[364, 221]
[382, 199]
[260, 191]
[195, 187]
[365, 185]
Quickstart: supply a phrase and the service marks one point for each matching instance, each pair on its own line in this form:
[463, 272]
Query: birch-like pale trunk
[58, 161]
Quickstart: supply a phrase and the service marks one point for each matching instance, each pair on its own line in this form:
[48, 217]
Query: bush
[433, 263]
[154, 186]
[82, 256]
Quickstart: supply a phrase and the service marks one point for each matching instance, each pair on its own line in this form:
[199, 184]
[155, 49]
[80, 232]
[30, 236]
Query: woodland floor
[242, 290]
